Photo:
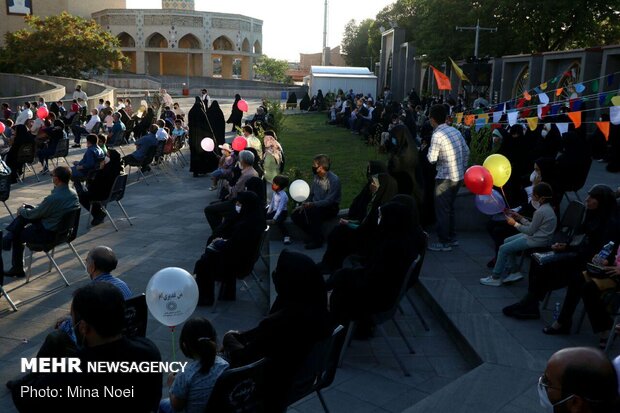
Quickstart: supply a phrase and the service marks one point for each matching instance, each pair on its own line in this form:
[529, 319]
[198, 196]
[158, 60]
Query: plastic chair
[380, 318]
[5, 191]
[319, 369]
[62, 151]
[25, 155]
[136, 316]
[117, 192]
[5, 294]
[65, 234]
[240, 390]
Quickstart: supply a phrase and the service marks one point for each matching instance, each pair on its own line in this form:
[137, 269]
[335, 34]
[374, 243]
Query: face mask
[543, 398]
[535, 204]
[238, 209]
[379, 220]
[544, 133]
[275, 187]
[533, 176]
[314, 170]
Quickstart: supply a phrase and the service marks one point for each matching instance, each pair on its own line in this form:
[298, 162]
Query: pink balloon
[42, 112]
[2, 127]
[239, 143]
[207, 144]
[242, 105]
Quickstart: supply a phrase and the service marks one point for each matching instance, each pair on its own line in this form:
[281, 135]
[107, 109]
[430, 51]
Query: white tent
[332, 78]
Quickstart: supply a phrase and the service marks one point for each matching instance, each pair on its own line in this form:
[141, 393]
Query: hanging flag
[615, 100]
[480, 124]
[458, 71]
[543, 98]
[469, 119]
[532, 123]
[497, 116]
[595, 85]
[555, 79]
[568, 74]
[459, 117]
[604, 128]
[601, 99]
[540, 111]
[555, 109]
[543, 86]
[609, 98]
[485, 117]
[576, 118]
[545, 110]
[575, 104]
[537, 90]
[443, 81]
[614, 115]
[525, 112]
[521, 103]
[512, 118]
[579, 87]
[527, 96]
[562, 127]
[559, 91]
[610, 79]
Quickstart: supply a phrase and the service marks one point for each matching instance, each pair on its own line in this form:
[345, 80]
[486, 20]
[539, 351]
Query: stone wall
[94, 90]
[17, 89]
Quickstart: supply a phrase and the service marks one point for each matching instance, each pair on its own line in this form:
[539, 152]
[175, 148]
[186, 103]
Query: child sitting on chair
[224, 169]
[277, 210]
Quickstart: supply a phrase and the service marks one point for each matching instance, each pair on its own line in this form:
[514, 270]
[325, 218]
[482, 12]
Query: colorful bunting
[459, 117]
[609, 98]
[527, 96]
[614, 115]
[595, 85]
[604, 128]
[532, 123]
[525, 112]
[576, 118]
[469, 119]
[575, 104]
[559, 91]
[562, 127]
[458, 71]
[480, 123]
[521, 103]
[579, 87]
[512, 118]
[543, 98]
[543, 86]
[555, 109]
[601, 99]
[615, 100]
[497, 116]
[485, 117]
[537, 90]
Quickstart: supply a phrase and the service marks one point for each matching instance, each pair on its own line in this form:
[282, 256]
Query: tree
[60, 45]
[271, 69]
[361, 43]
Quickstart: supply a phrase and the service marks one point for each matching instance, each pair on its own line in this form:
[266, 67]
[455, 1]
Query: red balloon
[242, 105]
[239, 143]
[2, 127]
[478, 180]
[42, 112]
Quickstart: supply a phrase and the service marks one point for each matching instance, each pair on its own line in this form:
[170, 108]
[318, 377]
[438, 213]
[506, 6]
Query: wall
[94, 90]
[26, 88]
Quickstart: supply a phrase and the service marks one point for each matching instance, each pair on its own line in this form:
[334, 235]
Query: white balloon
[172, 296]
[299, 190]
[207, 144]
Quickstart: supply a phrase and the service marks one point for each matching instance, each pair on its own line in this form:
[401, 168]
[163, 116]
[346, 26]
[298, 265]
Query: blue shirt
[279, 201]
[195, 387]
[325, 192]
[92, 155]
[117, 127]
[143, 145]
[117, 282]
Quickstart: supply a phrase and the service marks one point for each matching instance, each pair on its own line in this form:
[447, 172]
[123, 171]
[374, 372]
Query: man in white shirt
[450, 153]
[24, 115]
[78, 131]
[79, 93]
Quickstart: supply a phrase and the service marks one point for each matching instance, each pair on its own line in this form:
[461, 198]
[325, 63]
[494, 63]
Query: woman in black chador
[236, 114]
[201, 162]
[218, 124]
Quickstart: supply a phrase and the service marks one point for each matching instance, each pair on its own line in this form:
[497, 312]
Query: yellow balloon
[500, 168]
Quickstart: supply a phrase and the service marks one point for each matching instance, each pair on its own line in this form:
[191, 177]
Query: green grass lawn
[308, 135]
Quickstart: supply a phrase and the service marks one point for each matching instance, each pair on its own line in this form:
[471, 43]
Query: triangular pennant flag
[525, 112]
[601, 99]
[559, 91]
[478, 111]
[562, 127]
[459, 117]
[615, 100]
[512, 118]
[579, 87]
[497, 116]
[614, 115]
[532, 123]
[575, 104]
[543, 98]
[555, 109]
[545, 110]
[507, 105]
[576, 118]
[537, 90]
[527, 96]
[480, 124]
[604, 128]
[608, 98]
[459, 71]
[443, 81]
[521, 103]
[539, 110]
[595, 85]
[469, 119]
[568, 74]
[485, 117]
[554, 80]
[610, 79]
[543, 86]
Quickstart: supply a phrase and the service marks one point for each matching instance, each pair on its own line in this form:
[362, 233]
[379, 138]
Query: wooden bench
[291, 105]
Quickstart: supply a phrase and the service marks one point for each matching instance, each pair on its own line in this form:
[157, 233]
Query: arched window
[245, 46]
[157, 40]
[223, 43]
[258, 49]
[189, 41]
[521, 82]
[569, 77]
[126, 40]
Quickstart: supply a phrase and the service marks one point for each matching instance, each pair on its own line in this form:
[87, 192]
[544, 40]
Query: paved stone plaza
[473, 359]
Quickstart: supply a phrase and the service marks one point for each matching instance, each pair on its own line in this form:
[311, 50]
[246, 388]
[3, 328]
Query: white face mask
[535, 204]
[238, 209]
[544, 399]
[533, 176]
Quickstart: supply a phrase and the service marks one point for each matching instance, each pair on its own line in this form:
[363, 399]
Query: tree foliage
[60, 45]
[524, 26]
[361, 43]
[273, 70]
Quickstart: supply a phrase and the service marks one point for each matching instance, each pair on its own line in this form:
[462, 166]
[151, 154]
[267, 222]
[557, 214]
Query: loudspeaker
[478, 73]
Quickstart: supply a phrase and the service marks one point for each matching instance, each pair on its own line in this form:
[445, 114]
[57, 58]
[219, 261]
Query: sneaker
[454, 243]
[513, 277]
[287, 241]
[439, 246]
[490, 281]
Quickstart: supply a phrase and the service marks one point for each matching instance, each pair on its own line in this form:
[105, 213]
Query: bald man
[100, 262]
[579, 380]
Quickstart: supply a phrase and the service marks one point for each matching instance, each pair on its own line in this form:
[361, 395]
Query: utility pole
[325, 55]
[477, 28]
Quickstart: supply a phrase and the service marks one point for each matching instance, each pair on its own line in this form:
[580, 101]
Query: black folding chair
[240, 390]
[380, 318]
[25, 155]
[62, 151]
[5, 191]
[5, 294]
[65, 234]
[136, 316]
[319, 369]
[148, 160]
[117, 140]
[117, 192]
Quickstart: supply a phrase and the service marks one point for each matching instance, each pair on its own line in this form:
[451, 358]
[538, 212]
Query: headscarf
[388, 188]
[252, 214]
[256, 185]
[408, 202]
[298, 283]
[396, 220]
[272, 147]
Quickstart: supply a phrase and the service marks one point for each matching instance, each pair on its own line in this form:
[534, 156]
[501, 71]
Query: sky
[290, 27]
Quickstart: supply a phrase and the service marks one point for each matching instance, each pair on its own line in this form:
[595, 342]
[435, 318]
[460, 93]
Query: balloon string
[504, 195]
[174, 355]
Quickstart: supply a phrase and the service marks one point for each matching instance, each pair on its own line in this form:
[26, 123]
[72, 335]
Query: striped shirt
[117, 282]
[449, 150]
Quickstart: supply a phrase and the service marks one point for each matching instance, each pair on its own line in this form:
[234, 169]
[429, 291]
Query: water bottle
[556, 311]
[604, 254]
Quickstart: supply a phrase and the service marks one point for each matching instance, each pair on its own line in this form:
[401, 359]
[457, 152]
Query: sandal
[551, 331]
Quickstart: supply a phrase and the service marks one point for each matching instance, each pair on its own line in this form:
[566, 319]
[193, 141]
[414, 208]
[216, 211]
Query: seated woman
[359, 292]
[22, 136]
[597, 228]
[99, 187]
[353, 236]
[537, 233]
[191, 389]
[232, 254]
[297, 319]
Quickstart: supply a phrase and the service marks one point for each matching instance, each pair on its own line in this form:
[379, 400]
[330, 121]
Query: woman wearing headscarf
[357, 236]
[216, 119]
[201, 162]
[55, 109]
[598, 227]
[22, 136]
[99, 187]
[236, 114]
[297, 319]
[272, 160]
[144, 124]
[359, 206]
[233, 254]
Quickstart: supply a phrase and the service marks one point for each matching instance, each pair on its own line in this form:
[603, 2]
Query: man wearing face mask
[322, 204]
[579, 380]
